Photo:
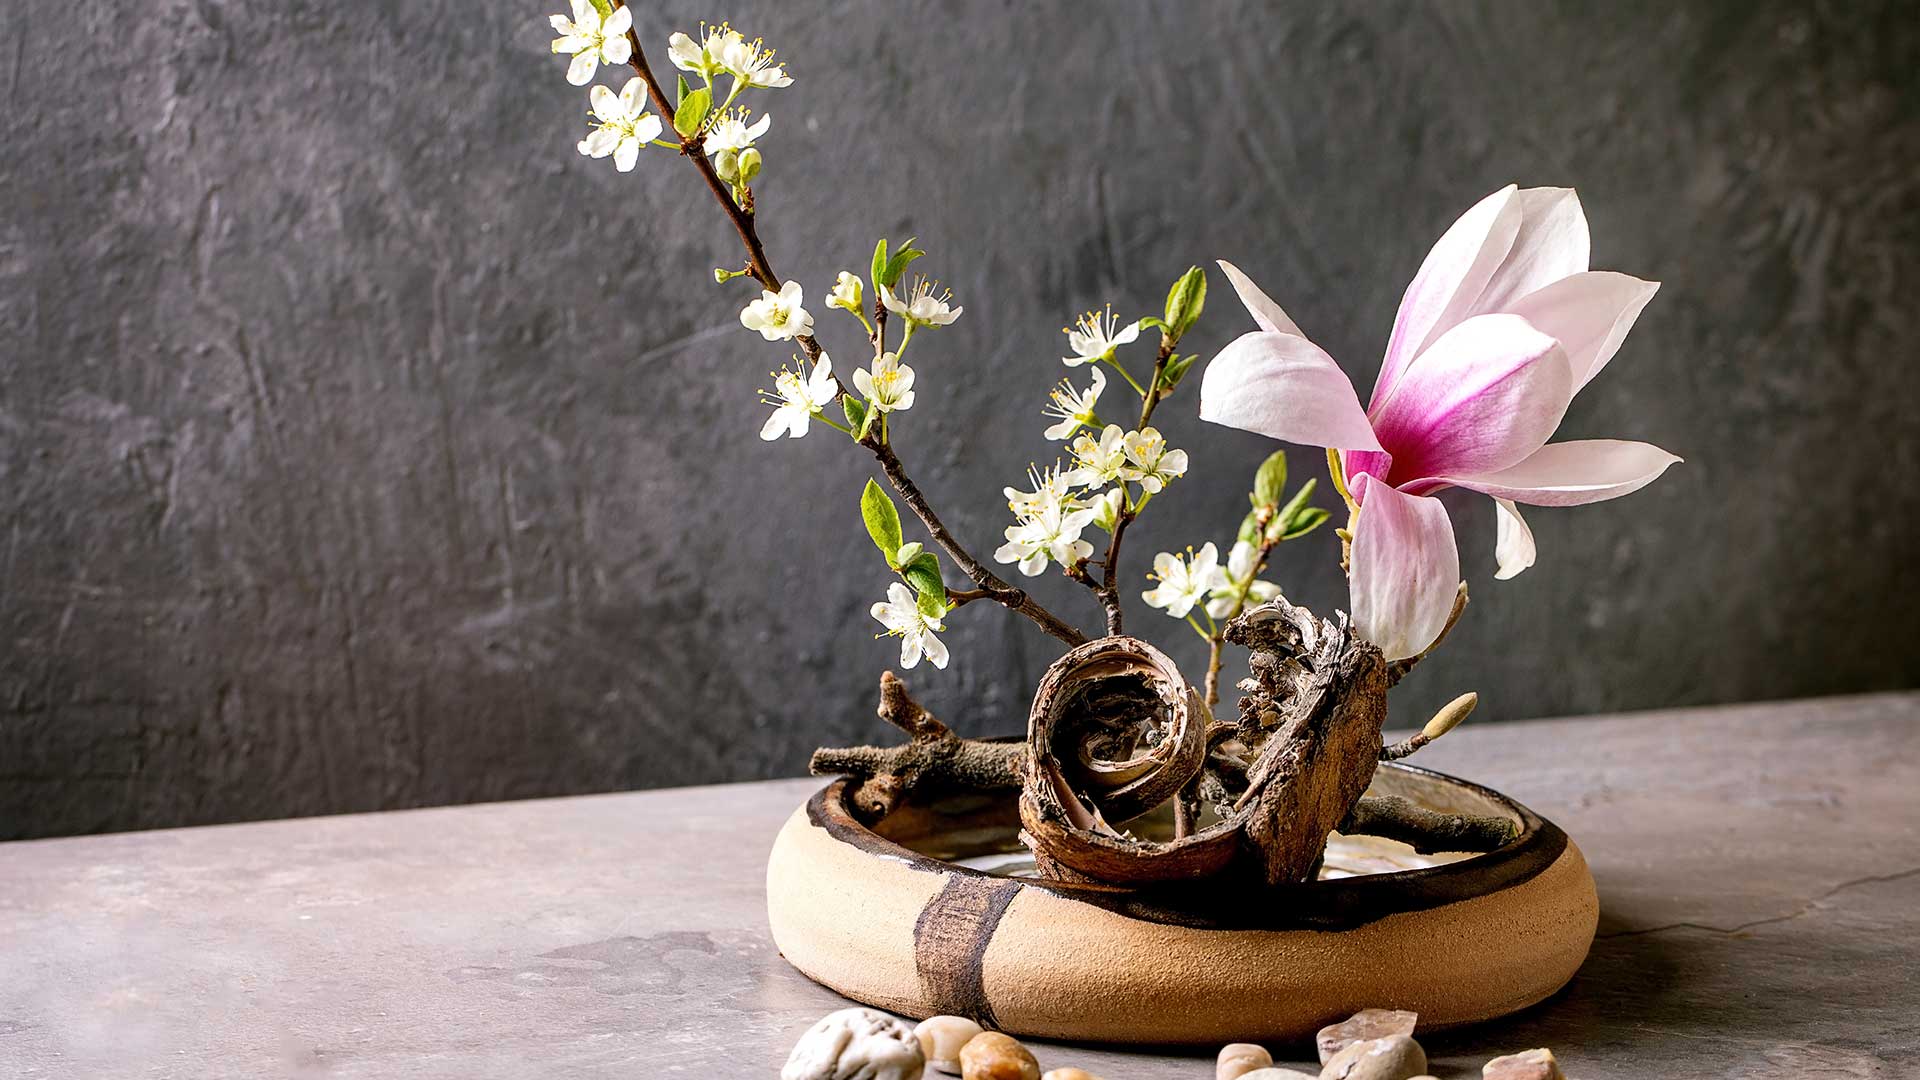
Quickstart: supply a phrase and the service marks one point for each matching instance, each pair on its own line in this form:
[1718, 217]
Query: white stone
[856, 1044]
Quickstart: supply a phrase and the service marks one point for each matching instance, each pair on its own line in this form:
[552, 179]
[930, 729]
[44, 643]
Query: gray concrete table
[1759, 871]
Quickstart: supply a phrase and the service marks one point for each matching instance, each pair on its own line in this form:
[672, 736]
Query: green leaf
[923, 573]
[603, 7]
[856, 411]
[1299, 500]
[883, 521]
[1185, 301]
[879, 268]
[1304, 522]
[692, 111]
[898, 264]
[1176, 370]
[682, 95]
[1250, 528]
[1270, 481]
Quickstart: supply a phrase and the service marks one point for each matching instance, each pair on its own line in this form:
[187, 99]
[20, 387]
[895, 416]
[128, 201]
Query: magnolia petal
[1405, 570]
[1552, 243]
[1513, 547]
[1590, 313]
[1259, 305]
[1574, 473]
[1488, 393]
[1284, 387]
[1454, 275]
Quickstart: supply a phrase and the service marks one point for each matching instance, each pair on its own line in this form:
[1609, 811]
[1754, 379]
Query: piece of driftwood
[933, 755]
[1116, 731]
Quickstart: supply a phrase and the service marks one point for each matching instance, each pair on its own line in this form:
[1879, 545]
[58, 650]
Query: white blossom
[697, 57]
[849, 292]
[747, 61]
[795, 401]
[1107, 507]
[920, 306]
[1184, 582]
[1149, 463]
[1098, 461]
[1050, 488]
[1239, 573]
[590, 39]
[730, 131]
[625, 124]
[778, 315]
[1074, 409]
[1053, 532]
[889, 386]
[1093, 338]
[902, 616]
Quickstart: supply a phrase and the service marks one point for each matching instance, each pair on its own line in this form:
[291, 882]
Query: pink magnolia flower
[1499, 330]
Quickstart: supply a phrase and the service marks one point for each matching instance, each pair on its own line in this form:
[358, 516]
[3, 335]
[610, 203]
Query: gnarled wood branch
[933, 755]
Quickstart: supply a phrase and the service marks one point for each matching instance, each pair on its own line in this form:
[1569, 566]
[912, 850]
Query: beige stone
[1526, 1065]
[1396, 1057]
[1069, 1074]
[1236, 1060]
[993, 1056]
[941, 1038]
[1277, 1074]
[856, 1042]
[1362, 1026]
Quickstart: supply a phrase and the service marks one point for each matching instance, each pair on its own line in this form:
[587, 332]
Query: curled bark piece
[1115, 731]
[1316, 701]
[1427, 831]
[934, 755]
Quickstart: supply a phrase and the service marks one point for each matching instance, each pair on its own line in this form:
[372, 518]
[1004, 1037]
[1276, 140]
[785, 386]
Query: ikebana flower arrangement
[1127, 778]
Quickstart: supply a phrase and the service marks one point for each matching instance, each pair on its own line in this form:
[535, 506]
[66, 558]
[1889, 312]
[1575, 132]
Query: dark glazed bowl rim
[1337, 904]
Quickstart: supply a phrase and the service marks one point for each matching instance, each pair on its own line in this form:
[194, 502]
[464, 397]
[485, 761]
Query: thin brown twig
[692, 148]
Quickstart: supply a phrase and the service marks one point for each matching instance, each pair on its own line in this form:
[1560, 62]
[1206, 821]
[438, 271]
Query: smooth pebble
[993, 1056]
[1069, 1074]
[1362, 1026]
[1236, 1060]
[1396, 1057]
[1277, 1074]
[941, 1038]
[1526, 1065]
[856, 1042]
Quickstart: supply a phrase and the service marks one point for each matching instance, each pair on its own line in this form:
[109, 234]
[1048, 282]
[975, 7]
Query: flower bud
[726, 164]
[749, 165]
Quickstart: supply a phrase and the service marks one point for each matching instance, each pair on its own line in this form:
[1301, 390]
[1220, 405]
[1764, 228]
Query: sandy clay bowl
[927, 912]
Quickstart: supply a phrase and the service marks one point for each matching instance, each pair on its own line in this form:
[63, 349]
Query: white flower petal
[1513, 550]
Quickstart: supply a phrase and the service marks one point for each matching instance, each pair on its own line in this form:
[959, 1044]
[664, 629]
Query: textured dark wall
[363, 446]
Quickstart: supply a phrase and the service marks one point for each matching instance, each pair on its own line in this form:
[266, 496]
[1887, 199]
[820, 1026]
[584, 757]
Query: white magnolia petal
[1551, 244]
[1491, 391]
[1284, 387]
[1590, 313]
[1574, 473]
[1513, 545]
[1261, 306]
[1406, 569]
[1451, 278]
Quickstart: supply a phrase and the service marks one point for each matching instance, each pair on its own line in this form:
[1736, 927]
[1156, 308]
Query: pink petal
[1552, 243]
[1259, 305]
[1573, 473]
[1375, 463]
[1590, 313]
[1284, 387]
[1513, 547]
[1453, 276]
[1405, 570]
[1488, 393]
